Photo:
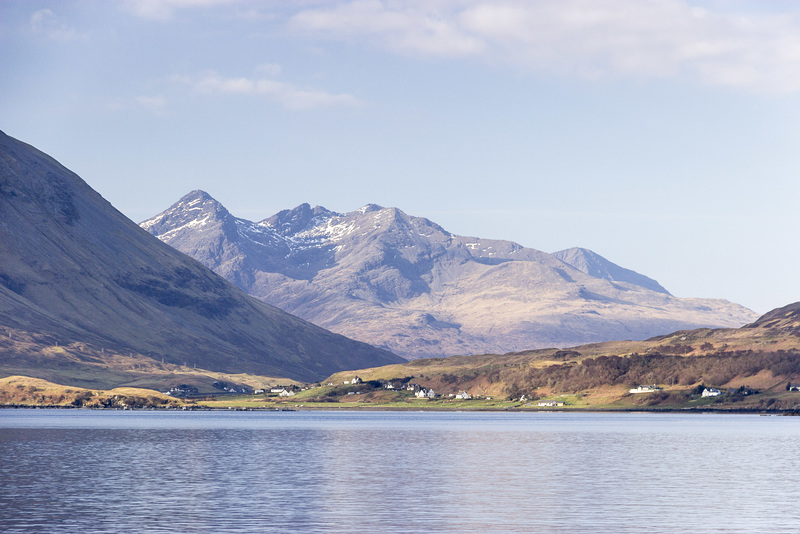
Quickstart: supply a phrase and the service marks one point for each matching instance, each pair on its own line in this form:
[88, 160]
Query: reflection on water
[90, 471]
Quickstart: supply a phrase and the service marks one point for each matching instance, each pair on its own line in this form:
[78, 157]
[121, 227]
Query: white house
[286, 393]
[645, 389]
[463, 395]
[422, 394]
[711, 392]
[551, 403]
[431, 394]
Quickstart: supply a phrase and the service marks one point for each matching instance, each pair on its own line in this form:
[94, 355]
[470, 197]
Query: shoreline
[306, 408]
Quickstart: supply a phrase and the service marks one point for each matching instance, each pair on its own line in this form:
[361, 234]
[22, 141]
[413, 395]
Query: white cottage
[645, 389]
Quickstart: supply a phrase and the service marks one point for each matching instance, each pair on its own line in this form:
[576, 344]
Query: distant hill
[786, 319]
[753, 365]
[75, 273]
[406, 284]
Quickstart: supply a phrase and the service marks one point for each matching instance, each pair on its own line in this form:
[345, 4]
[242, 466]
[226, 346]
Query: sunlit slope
[404, 283]
[763, 355]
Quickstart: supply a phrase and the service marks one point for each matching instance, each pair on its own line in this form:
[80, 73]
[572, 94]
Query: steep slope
[597, 266]
[406, 284]
[75, 269]
[785, 319]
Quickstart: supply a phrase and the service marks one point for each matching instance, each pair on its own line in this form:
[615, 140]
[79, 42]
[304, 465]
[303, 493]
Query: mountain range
[407, 285]
[80, 282]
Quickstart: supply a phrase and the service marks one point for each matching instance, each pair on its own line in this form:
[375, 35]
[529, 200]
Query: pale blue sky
[664, 134]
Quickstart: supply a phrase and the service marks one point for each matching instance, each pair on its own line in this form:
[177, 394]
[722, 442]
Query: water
[103, 471]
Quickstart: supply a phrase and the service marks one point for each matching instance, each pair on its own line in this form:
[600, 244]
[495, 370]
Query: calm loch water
[104, 471]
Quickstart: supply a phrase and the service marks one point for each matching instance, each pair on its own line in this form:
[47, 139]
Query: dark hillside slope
[786, 318]
[74, 268]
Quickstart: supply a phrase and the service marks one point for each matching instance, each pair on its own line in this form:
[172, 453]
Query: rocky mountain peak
[368, 208]
[394, 222]
[197, 208]
[197, 194]
[299, 219]
[199, 200]
[595, 265]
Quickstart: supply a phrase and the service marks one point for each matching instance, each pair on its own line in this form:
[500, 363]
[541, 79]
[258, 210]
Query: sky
[662, 134]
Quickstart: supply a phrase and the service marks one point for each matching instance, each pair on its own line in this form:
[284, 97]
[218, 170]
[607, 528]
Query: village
[400, 393]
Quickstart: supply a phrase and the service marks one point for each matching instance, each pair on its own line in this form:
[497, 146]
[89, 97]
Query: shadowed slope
[76, 269]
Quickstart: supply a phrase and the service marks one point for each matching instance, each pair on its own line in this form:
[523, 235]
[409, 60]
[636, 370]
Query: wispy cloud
[268, 69]
[286, 94]
[153, 103]
[156, 105]
[589, 39]
[165, 9]
[419, 27]
[46, 22]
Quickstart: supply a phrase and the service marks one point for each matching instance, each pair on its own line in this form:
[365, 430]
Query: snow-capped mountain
[406, 284]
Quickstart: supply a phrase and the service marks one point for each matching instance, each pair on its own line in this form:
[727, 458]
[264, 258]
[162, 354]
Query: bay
[310, 471]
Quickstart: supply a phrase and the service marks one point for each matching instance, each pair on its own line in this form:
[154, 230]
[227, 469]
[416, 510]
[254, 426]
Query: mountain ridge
[595, 265]
[406, 284]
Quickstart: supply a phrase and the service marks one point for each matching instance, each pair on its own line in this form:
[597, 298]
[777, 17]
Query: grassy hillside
[26, 391]
[88, 366]
[751, 365]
